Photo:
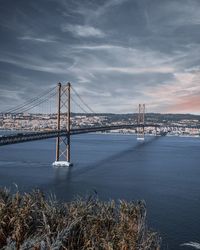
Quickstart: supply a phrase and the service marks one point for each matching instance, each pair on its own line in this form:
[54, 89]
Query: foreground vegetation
[30, 221]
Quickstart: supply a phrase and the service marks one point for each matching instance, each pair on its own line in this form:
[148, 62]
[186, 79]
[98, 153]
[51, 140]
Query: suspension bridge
[63, 129]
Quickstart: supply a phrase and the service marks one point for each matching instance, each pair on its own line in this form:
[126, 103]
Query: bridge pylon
[63, 123]
[141, 122]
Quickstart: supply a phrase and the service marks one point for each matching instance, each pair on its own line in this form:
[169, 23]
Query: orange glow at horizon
[186, 104]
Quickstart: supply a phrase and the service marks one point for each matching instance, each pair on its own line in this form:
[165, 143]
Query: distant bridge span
[33, 136]
[41, 135]
[63, 135]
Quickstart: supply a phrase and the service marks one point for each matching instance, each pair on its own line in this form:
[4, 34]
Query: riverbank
[151, 135]
[30, 221]
[6, 131]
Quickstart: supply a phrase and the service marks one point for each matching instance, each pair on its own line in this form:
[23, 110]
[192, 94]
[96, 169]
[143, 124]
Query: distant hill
[148, 116]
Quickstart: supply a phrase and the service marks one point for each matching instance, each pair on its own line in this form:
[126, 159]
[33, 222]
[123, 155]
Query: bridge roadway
[41, 135]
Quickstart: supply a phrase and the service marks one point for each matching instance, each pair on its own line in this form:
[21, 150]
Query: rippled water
[164, 171]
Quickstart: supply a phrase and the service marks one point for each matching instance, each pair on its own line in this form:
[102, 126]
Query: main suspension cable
[32, 102]
[81, 99]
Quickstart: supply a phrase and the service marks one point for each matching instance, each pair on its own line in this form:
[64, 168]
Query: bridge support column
[58, 124]
[156, 128]
[63, 120]
[68, 121]
[141, 122]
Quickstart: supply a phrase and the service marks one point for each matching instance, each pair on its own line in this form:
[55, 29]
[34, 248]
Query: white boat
[62, 164]
[140, 138]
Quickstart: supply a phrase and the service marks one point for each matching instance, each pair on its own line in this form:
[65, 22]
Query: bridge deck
[32, 136]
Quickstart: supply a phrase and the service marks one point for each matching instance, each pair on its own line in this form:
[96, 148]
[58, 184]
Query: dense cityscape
[174, 124]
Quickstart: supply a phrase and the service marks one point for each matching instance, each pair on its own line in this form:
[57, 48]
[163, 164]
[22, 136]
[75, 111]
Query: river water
[163, 171]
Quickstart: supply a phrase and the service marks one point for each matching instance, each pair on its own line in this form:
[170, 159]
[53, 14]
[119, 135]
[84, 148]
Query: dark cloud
[121, 51]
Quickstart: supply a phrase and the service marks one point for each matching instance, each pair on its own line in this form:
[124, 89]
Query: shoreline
[118, 133]
[108, 133]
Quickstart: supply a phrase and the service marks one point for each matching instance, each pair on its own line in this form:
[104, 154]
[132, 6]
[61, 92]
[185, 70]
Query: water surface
[164, 171]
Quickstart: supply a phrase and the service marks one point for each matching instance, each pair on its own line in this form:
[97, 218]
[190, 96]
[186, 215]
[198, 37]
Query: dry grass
[30, 221]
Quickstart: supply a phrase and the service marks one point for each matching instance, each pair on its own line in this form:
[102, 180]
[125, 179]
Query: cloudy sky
[116, 53]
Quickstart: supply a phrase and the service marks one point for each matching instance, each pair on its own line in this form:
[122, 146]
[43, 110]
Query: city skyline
[116, 53]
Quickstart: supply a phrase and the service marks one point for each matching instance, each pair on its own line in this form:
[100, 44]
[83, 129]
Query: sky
[116, 53]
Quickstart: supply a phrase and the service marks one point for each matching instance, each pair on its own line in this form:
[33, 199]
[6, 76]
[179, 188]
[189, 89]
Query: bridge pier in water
[63, 142]
[141, 122]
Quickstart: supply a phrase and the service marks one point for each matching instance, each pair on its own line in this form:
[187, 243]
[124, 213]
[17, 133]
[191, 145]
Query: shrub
[30, 221]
